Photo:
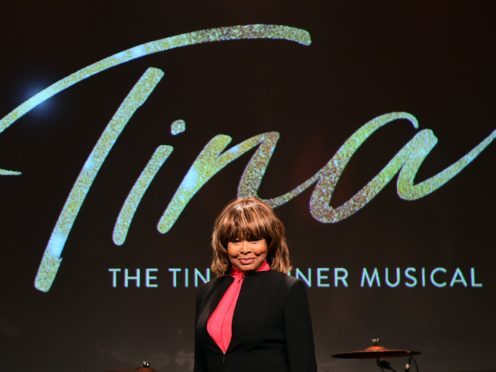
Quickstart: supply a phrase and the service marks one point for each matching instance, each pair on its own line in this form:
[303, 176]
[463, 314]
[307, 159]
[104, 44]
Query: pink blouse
[219, 325]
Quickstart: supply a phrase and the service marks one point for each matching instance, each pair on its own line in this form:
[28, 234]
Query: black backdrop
[434, 60]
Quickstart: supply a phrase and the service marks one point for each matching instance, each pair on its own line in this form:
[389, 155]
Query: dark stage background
[433, 60]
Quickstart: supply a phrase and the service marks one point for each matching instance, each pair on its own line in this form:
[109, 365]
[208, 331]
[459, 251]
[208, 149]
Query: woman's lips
[246, 261]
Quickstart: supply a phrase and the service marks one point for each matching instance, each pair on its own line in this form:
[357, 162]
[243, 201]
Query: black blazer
[271, 329]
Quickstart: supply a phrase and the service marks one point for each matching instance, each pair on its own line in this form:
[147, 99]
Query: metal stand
[383, 365]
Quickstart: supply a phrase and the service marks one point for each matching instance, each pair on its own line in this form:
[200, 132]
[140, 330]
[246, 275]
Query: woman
[253, 317]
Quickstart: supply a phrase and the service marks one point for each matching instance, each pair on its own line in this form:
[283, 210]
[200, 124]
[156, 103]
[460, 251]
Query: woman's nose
[245, 247]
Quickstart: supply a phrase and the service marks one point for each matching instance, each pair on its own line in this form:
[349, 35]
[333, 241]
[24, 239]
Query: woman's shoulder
[214, 283]
[284, 279]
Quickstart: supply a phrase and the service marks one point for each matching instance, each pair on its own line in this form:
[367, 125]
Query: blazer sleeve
[200, 362]
[298, 330]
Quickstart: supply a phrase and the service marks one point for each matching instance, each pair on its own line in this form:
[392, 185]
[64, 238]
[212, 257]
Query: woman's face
[247, 255]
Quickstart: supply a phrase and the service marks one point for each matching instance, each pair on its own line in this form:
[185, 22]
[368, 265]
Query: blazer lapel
[213, 298]
[235, 340]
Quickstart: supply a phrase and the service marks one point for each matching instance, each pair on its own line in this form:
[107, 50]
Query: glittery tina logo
[216, 154]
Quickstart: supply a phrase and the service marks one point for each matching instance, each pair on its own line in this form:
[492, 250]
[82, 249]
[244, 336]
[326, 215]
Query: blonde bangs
[244, 224]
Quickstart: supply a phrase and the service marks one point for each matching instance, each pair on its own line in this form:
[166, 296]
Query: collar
[237, 273]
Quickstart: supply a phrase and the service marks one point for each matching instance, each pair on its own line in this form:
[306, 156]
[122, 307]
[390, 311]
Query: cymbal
[376, 352]
[140, 369]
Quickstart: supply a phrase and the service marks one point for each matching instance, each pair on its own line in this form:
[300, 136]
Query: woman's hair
[249, 219]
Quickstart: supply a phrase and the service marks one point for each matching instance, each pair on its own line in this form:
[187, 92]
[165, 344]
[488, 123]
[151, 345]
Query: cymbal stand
[383, 365]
